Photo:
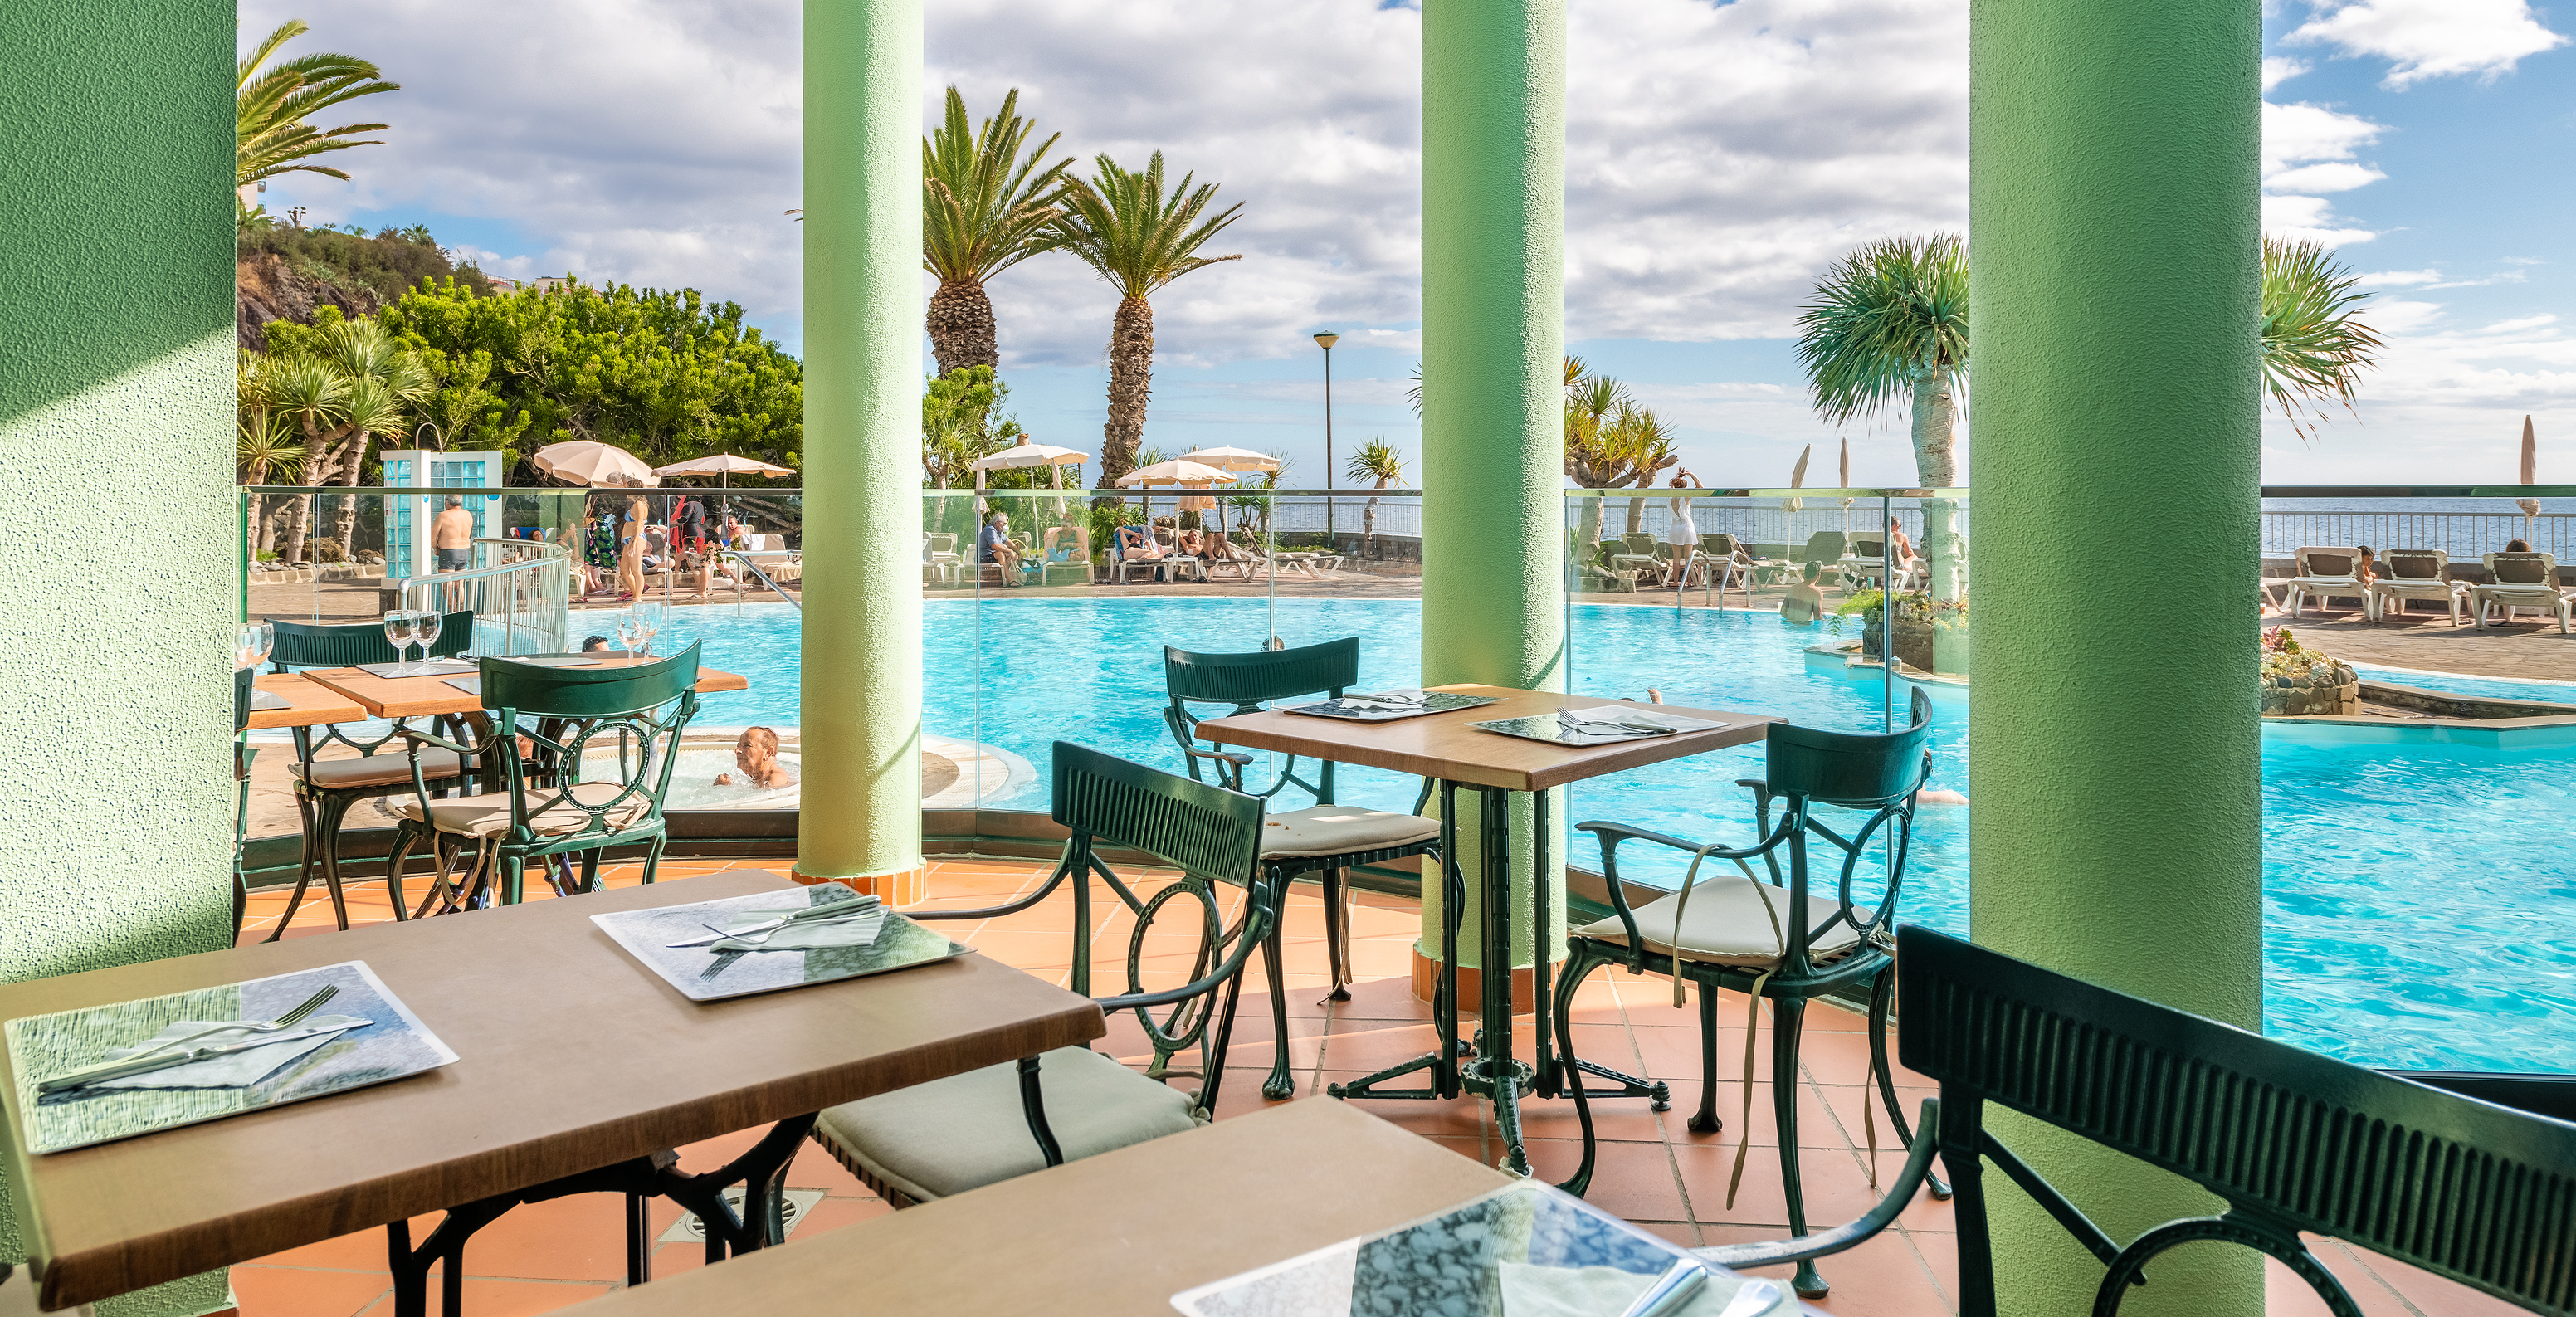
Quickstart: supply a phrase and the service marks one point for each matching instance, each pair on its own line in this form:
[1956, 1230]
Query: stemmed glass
[400, 625]
[252, 649]
[649, 617]
[427, 625]
[630, 630]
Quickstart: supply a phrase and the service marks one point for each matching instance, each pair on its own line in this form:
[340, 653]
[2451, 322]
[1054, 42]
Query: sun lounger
[2415, 574]
[1602, 570]
[2324, 573]
[2520, 580]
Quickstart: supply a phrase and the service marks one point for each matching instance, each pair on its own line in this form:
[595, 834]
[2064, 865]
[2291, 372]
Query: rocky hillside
[283, 273]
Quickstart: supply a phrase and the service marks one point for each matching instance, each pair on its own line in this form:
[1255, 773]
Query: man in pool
[1804, 602]
[755, 752]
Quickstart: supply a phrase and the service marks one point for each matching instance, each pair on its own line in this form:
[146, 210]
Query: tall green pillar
[861, 721]
[1493, 340]
[116, 120]
[2115, 243]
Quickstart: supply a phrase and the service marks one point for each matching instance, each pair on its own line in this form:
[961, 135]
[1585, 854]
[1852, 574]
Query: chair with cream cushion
[2323, 572]
[2520, 580]
[326, 789]
[2415, 574]
[1777, 938]
[594, 748]
[1325, 840]
[985, 1126]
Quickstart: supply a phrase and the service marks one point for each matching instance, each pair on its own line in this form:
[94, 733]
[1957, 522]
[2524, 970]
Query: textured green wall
[1493, 338]
[862, 650]
[2117, 834]
[115, 445]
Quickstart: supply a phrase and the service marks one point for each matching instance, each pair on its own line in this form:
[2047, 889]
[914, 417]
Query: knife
[147, 1064]
[833, 911]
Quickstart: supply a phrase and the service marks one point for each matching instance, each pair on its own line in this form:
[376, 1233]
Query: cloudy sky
[1719, 156]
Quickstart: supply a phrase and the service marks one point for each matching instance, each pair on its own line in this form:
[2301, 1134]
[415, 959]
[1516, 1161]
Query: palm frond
[2315, 344]
[987, 201]
[1376, 460]
[1135, 235]
[270, 105]
[1889, 314]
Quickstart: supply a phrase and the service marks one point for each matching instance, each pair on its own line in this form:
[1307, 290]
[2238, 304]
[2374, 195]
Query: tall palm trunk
[1368, 521]
[1936, 423]
[353, 463]
[961, 327]
[1637, 506]
[1131, 378]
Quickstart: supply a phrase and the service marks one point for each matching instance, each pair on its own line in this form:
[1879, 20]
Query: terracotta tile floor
[1652, 1170]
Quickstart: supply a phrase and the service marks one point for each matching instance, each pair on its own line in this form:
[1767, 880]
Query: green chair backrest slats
[1196, 827]
[1858, 770]
[346, 645]
[601, 692]
[1249, 680]
[2294, 1141]
[562, 713]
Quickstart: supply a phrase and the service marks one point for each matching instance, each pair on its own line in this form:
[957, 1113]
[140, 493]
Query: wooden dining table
[1444, 748]
[425, 697]
[572, 1056]
[308, 703]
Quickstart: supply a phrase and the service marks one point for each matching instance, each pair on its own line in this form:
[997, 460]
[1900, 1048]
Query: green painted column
[116, 422]
[861, 721]
[1493, 340]
[2117, 833]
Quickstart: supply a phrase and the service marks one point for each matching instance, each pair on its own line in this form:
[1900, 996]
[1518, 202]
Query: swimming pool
[2415, 895]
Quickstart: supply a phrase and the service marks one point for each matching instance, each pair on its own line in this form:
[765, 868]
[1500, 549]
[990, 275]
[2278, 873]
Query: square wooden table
[1442, 747]
[422, 697]
[310, 703]
[572, 1057]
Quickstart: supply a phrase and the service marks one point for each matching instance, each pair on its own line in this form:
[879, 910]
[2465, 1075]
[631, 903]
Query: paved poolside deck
[1653, 1170]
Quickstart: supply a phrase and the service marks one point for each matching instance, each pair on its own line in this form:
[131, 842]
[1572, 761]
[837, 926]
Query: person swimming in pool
[1804, 602]
[755, 752]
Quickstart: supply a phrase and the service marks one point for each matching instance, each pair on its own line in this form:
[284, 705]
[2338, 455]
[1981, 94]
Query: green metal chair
[243, 754]
[2469, 1189]
[1324, 840]
[544, 723]
[945, 1137]
[1745, 934]
[325, 789]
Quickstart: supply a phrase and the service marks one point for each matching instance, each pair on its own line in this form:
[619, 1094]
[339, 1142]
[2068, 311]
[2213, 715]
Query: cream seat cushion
[1342, 830]
[489, 814]
[966, 1131]
[1725, 924]
[377, 770]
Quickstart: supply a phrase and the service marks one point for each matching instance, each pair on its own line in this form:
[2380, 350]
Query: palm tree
[985, 207]
[1379, 461]
[2315, 345]
[269, 109]
[1123, 225]
[1610, 442]
[386, 380]
[312, 397]
[264, 441]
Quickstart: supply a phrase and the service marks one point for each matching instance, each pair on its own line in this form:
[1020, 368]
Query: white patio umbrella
[1055, 460]
[723, 466]
[589, 462]
[1231, 459]
[1179, 471]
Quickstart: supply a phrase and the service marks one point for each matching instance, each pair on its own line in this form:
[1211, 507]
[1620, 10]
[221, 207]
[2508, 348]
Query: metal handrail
[737, 556]
[532, 571]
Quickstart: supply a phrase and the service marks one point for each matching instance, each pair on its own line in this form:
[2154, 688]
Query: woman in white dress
[1684, 536]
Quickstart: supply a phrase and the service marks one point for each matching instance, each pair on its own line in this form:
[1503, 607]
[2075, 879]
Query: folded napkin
[857, 930]
[1535, 1291]
[237, 1070]
[1629, 713]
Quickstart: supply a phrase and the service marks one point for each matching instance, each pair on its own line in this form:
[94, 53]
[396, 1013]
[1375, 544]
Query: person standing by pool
[1684, 536]
[630, 558]
[452, 536]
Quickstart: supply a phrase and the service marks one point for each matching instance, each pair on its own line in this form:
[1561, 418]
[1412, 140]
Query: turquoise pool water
[2416, 895]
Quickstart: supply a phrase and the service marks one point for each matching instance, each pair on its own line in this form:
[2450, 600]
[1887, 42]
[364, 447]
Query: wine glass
[400, 625]
[649, 617]
[252, 649]
[426, 627]
[630, 630]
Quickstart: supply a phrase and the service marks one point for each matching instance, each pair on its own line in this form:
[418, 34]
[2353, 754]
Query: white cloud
[2520, 325]
[2308, 218]
[2431, 38]
[2400, 278]
[2332, 176]
[2444, 404]
[2279, 69]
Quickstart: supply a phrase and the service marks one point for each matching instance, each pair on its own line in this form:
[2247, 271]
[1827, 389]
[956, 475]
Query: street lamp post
[1326, 341]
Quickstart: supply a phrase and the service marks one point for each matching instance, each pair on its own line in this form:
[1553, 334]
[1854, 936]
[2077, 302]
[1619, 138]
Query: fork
[287, 1021]
[1577, 726]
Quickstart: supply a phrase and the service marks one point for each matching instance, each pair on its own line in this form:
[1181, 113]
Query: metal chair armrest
[419, 739]
[1918, 1166]
[1611, 834]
